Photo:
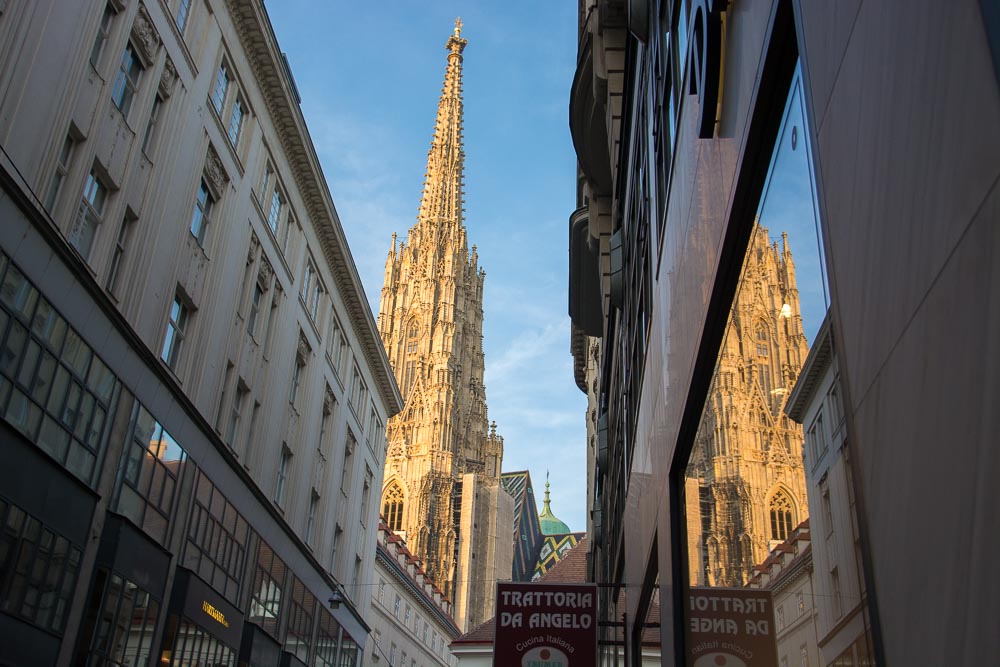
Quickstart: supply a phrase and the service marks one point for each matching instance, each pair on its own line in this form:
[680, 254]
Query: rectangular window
[336, 345]
[154, 118]
[149, 474]
[274, 213]
[118, 255]
[311, 518]
[381, 590]
[327, 635]
[127, 80]
[300, 364]
[282, 481]
[300, 615]
[91, 214]
[103, 29]
[59, 176]
[338, 533]
[221, 88]
[366, 495]
[258, 294]
[173, 341]
[266, 594]
[311, 290]
[250, 433]
[838, 608]
[202, 212]
[183, 14]
[395, 608]
[218, 535]
[239, 402]
[39, 569]
[236, 122]
[348, 466]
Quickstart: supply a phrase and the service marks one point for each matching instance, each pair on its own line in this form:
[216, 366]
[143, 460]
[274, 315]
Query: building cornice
[383, 556]
[279, 92]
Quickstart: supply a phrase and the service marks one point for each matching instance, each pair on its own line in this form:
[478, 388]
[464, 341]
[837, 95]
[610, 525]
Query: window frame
[93, 206]
[177, 324]
[201, 212]
[126, 88]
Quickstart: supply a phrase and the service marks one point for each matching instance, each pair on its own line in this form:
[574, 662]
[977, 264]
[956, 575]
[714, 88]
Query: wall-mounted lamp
[336, 598]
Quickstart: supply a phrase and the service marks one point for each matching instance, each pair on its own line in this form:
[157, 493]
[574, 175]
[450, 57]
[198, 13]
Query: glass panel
[49, 325]
[752, 503]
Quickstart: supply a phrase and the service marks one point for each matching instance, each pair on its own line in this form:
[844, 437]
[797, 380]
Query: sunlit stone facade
[442, 487]
[747, 457]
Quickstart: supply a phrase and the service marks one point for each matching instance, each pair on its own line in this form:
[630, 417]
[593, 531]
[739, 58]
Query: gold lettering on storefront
[217, 615]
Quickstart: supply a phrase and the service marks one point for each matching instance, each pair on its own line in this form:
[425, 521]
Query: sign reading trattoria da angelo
[730, 627]
[545, 625]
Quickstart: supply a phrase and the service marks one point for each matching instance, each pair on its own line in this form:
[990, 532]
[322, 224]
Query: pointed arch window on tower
[762, 340]
[410, 365]
[781, 516]
[392, 507]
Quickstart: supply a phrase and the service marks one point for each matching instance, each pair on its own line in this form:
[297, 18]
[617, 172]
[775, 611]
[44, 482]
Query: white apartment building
[193, 391]
[838, 587]
[412, 622]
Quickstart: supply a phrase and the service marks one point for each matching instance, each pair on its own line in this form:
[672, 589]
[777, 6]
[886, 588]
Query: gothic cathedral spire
[442, 453]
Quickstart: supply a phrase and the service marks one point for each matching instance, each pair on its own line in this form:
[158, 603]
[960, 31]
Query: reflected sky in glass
[170, 450]
[788, 204]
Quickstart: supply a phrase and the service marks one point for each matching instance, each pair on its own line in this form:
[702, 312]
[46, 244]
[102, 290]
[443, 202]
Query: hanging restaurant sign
[545, 625]
[730, 627]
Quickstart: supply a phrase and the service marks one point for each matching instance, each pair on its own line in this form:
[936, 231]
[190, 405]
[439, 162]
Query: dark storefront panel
[203, 627]
[38, 574]
[119, 623]
[258, 648]
[53, 388]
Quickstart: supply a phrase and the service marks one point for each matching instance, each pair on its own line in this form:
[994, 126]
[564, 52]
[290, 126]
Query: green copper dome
[547, 521]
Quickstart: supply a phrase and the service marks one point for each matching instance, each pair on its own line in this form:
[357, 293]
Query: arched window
[781, 516]
[392, 507]
[410, 363]
[762, 337]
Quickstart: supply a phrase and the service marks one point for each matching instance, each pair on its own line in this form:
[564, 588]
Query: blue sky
[370, 76]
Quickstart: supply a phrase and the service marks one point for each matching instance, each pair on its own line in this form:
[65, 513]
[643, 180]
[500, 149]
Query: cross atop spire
[458, 27]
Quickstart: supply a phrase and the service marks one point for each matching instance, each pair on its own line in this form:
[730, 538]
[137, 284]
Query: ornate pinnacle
[455, 43]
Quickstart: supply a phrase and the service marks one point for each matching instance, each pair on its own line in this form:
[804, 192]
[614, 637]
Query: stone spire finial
[442, 200]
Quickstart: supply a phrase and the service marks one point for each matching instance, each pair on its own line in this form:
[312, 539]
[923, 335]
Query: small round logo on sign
[719, 659]
[544, 656]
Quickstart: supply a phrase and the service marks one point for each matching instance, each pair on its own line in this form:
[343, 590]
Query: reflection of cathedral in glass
[746, 468]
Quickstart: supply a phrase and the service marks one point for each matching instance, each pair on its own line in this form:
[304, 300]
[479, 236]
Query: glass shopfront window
[203, 629]
[149, 475]
[265, 598]
[53, 388]
[752, 498]
[300, 621]
[326, 641]
[121, 617]
[38, 570]
[217, 540]
[192, 646]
